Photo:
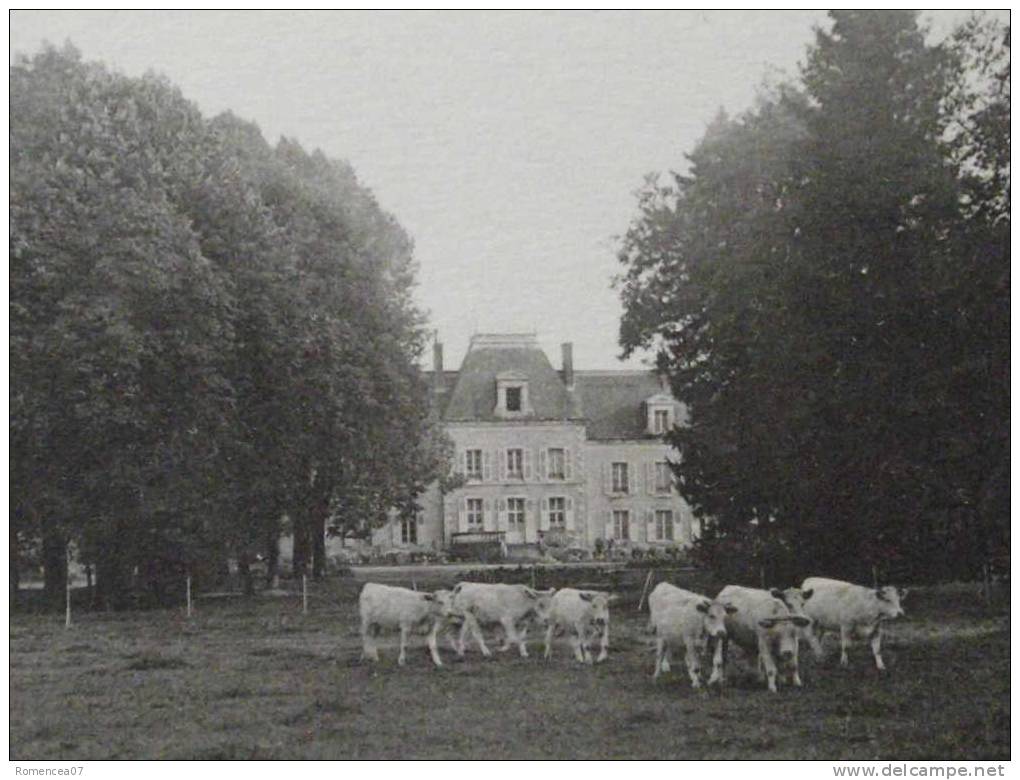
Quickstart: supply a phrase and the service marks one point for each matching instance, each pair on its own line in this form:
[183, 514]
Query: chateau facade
[576, 455]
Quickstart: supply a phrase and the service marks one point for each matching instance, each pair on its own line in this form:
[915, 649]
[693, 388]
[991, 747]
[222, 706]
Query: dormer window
[512, 395]
[513, 399]
[660, 414]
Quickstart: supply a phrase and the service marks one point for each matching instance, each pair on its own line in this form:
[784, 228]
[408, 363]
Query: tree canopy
[207, 333]
[827, 288]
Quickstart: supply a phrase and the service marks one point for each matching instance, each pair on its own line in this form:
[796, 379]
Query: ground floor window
[621, 524]
[475, 514]
[664, 525]
[515, 514]
[558, 512]
[409, 530]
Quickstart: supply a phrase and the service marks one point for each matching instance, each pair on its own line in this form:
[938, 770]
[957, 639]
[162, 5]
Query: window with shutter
[542, 470]
[527, 464]
[568, 467]
[570, 514]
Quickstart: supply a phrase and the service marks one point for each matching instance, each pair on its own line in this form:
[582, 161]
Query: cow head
[540, 602]
[599, 605]
[794, 599]
[442, 603]
[713, 619]
[784, 631]
[889, 602]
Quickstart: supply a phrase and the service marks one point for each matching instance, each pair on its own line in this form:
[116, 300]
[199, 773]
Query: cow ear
[613, 598]
[777, 593]
[881, 594]
[428, 596]
[586, 596]
[806, 594]
[530, 593]
[903, 593]
[800, 621]
[458, 587]
[730, 609]
[703, 606]
[767, 622]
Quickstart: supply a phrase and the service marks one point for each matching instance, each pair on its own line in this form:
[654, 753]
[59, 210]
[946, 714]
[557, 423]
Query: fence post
[304, 594]
[644, 590]
[188, 587]
[67, 589]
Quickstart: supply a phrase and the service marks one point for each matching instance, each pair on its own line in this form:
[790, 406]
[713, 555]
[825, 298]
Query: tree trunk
[112, 580]
[319, 544]
[54, 559]
[301, 543]
[272, 553]
[244, 569]
[15, 573]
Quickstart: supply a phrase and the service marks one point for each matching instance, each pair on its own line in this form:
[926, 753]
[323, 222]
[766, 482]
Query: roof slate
[611, 402]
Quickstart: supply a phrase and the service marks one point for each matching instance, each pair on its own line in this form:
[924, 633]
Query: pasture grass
[255, 679]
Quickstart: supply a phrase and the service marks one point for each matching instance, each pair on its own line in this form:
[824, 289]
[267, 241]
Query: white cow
[581, 613]
[851, 609]
[510, 606]
[387, 607]
[795, 599]
[764, 624]
[681, 618]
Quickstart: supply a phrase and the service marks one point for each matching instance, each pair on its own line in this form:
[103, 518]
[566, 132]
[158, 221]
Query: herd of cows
[768, 623]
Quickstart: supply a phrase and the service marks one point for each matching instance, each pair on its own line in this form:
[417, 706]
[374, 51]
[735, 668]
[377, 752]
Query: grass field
[256, 679]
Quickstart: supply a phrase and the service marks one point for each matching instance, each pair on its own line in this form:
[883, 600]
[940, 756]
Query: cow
[795, 599]
[763, 623]
[851, 609]
[581, 613]
[387, 607]
[682, 618]
[510, 606]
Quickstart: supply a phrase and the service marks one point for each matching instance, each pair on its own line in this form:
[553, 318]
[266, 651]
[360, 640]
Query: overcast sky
[508, 144]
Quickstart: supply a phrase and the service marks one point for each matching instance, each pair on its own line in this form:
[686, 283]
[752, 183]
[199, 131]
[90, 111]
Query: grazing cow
[851, 609]
[682, 618]
[386, 607]
[510, 606]
[764, 624]
[795, 599]
[581, 613]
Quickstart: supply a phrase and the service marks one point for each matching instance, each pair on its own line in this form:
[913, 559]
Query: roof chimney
[568, 364]
[437, 357]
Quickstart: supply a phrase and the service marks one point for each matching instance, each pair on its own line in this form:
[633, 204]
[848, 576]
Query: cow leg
[404, 631]
[717, 663]
[604, 645]
[549, 631]
[693, 663]
[471, 624]
[876, 647]
[844, 643]
[814, 638]
[667, 659]
[513, 637]
[795, 674]
[462, 637]
[577, 639]
[433, 644]
[660, 646]
[368, 648]
[768, 663]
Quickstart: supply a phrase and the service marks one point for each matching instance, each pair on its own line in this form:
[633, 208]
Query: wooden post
[67, 589]
[188, 587]
[304, 594]
[644, 590]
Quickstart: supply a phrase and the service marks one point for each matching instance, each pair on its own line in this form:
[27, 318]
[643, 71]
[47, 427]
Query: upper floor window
[663, 477]
[557, 468]
[409, 530]
[515, 464]
[512, 394]
[473, 465]
[620, 478]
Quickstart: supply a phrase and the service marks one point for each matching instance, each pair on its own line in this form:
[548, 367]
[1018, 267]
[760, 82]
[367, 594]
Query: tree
[803, 284]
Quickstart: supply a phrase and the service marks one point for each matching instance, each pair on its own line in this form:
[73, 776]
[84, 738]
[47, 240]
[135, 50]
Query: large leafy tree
[805, 283]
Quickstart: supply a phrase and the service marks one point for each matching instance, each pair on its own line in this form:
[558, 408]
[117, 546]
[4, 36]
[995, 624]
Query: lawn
[257, 679]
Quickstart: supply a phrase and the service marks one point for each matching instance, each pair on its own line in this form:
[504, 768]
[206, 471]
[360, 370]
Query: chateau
[573, 454]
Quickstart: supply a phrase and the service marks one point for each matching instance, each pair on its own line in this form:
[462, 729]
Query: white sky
[508, 144]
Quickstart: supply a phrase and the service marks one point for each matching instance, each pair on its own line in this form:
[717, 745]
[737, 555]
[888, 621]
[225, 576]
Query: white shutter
[635, 476]
[607, 520]
[527, 463]
[487, 466]
[501, 521]
[463, 462]
[650, 525]
[568, 466]
[543, 469]
[570, 513]
[502, 456]
[651, 472]
[529, 513]
[607, 484]
[462, 516]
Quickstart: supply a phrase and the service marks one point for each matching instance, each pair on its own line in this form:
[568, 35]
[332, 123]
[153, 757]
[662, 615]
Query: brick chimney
[437, 367]
[568, 364]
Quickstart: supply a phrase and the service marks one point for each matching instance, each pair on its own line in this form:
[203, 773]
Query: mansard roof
[613, 402]
[502, 356]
